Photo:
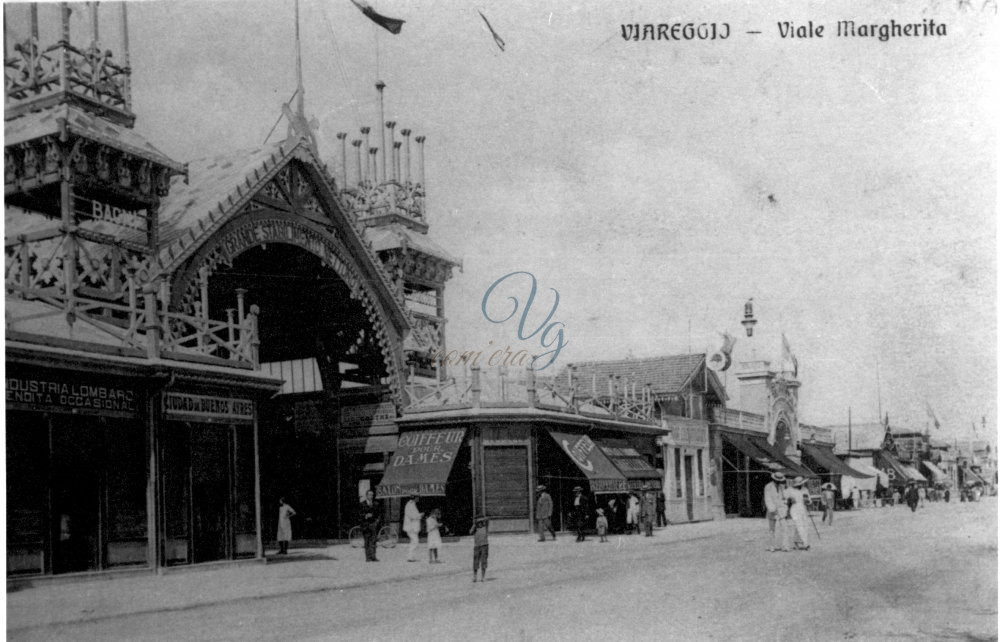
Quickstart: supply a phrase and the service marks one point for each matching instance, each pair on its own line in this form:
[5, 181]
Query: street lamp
[748, 321]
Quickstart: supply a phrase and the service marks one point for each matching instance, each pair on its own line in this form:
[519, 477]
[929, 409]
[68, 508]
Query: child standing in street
[481, 546]
[602, 525]
[433, 536]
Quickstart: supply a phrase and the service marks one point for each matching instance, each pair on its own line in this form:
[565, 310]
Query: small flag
[392, 25]
[496, 37]
[933, 417]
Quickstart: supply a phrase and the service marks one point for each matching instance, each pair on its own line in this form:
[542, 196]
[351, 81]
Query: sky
[848, 185]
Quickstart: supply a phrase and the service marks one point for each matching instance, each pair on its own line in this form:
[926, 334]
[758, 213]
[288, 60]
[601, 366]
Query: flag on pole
[787, 356]
[933, 417]
[496, 37]
[392, 25]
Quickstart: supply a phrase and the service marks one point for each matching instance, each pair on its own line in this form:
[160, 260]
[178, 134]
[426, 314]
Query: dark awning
[603, 476]
[636, 468]
[763, 453]
[421, 462]
[937, 474]
[897, 472]
[972, 478]
[825, 459]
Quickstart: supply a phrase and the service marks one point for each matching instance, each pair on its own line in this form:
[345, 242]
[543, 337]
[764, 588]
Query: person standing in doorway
[370, 516]
[285, 514]
[661, 509]
[581, 510]
[774, 504]
[411, 526]
[632, 514]
[829, 497]
[543, 513]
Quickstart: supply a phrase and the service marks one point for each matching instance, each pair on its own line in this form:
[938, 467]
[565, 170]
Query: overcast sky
[847, 184]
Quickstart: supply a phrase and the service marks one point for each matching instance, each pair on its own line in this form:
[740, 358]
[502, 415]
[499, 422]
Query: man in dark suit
[581, 511]
[543, 514]
[370, 517]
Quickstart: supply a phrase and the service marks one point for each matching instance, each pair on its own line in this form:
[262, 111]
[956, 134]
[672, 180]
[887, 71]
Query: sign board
[206, 408]
[365, 415]
[71, 395]
[421, 462]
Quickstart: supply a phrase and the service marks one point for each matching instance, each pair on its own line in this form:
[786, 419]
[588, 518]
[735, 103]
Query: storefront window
[245, 513]
[126, 495]
[27, 483]
[175, 466]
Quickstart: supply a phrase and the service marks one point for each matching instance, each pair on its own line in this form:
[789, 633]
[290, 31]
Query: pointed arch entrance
[330, 324]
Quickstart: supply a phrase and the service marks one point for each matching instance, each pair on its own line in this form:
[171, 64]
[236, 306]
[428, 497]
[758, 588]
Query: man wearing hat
[829, 496]
[581, 510]
[543, 513]
[774, 503]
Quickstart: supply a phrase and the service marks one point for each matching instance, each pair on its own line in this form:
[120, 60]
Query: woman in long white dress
[285, 514]
[632, 513]
[797, 497]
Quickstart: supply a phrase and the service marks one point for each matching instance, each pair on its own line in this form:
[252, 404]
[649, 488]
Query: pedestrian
[602, 525]
[796, 499]
[661, 509]
[855, 498]
[895, 497]
[947, 495]
[829, 498]
[616, 515]
[411, 525]
[647, 510]
[543, 513]
[581, 511]
[922, 492]
[433, 536]
[774, 504]
[285, 514]
[480, 546]
[370, 516]
[632, 514]
[912, 497]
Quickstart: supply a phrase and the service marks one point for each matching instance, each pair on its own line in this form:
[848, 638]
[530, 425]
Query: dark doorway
[76, 496]
[689, 486]
[210, 491]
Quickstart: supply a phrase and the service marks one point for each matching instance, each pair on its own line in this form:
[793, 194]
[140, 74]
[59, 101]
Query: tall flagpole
[849, 435]
[300, 104]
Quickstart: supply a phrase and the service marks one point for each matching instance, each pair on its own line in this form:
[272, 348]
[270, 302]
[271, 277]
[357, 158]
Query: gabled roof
[45, 122]
[666, 375]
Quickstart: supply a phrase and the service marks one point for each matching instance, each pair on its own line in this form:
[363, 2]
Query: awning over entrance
[421, 462]
[636, 468]
[603, 476]
[897, 471]
[972, 478]
[937, 474]
[764, 454]
[915, 474]
[870, 470]
[824, 458]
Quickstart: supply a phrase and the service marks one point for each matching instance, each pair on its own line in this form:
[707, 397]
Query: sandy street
[877, 574]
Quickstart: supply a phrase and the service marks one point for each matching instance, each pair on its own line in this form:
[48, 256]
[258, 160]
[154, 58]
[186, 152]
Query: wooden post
[240, 293]
[229, 328]
[64, 63]
[254, 337]
[356, 144]
[153, 557]
[406, 163]
[126, 59]
[476, 387]
[342, 137]
[364, 174]
[152, 326]
[203, 341]
[25, 263]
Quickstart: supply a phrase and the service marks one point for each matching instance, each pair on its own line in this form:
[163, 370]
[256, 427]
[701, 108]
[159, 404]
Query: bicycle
[387, 537]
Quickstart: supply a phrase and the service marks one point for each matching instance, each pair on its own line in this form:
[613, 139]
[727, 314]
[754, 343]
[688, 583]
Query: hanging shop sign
[70, 395]
[366, 415]
[206, 408]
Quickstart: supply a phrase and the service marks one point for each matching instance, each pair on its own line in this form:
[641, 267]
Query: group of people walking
[787, 511]
[612, 517]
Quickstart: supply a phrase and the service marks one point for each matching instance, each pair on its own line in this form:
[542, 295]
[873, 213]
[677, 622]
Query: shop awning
[868, 469]
[603, 476]
[937, 474]
[972, 478]
[421, 462]
[631, 463]
[898, 474]
[380, 444]
[915, 474]
[825, 459]
[764, 454]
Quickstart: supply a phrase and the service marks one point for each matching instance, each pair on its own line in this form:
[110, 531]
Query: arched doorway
[316, 335]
